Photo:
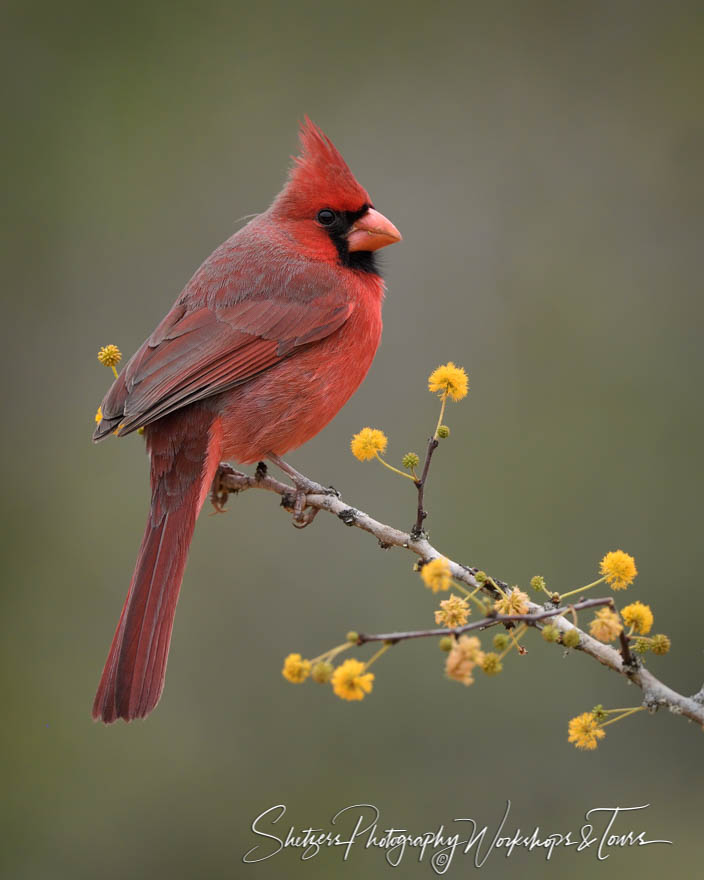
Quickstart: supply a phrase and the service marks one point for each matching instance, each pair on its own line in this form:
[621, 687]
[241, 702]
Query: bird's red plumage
[266, 343]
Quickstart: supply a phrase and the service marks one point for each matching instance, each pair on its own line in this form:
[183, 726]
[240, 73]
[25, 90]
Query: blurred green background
[545, 163]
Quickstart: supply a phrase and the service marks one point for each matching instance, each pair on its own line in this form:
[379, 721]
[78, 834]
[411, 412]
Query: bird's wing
[208, 344]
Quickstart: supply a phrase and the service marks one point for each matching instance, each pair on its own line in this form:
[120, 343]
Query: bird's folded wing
[198, 352]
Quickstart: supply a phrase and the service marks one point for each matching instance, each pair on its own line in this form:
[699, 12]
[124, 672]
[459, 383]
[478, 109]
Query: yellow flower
[619, 569]
[99, 415]
[516, 602]
[466, 653]
[454, 612]
[436, 574]
[349, 683]
[296, 669]
[606, 625]
[110, 355]
[584, 731]
[449, 379]
[367, 443]
[638, 616]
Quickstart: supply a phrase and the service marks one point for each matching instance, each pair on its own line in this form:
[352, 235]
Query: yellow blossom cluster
[639, 616]
[465, 654]
[618, 569]
[453, 612]
[584, 731]
[350, 680]
[368, 443]
[606, 625]
[296, 669]
[449, 380]
[513, 602]
[436, 574]
[110, 355]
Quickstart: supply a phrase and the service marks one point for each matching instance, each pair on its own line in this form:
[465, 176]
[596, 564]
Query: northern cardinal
[268, 340]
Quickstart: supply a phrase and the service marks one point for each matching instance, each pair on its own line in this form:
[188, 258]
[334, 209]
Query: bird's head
[330, 214]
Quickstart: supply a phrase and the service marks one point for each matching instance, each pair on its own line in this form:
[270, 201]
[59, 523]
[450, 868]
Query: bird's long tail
[185, 450]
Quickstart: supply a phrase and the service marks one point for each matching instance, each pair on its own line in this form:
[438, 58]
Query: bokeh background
[545, 163]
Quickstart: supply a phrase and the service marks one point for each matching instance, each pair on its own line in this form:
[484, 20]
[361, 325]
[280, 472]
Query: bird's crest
[319, 177]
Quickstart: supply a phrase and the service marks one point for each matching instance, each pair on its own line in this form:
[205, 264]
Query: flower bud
[491, 664]
[661, 644]
[322, 671]
[550, 633]
[410, 460]
[571, 638]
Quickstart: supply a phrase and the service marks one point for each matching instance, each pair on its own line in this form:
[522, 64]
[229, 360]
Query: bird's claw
[303, 515]
[218, 492]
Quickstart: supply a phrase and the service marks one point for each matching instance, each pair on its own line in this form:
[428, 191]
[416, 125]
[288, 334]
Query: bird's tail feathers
[185, 451]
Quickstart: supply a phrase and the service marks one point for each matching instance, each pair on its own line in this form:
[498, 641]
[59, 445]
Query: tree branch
[655, 692]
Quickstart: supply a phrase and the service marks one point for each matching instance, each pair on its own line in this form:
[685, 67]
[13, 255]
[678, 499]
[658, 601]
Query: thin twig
[485, 623]
[655, 692]
[625, 650]
[417, 530]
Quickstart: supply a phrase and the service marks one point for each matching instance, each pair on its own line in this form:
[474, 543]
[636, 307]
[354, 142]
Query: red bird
[268, 340]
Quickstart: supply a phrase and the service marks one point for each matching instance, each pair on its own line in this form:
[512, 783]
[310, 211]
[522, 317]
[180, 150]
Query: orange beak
[371, 232]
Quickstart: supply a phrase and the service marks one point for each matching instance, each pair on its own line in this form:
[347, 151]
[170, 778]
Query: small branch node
[348, 516]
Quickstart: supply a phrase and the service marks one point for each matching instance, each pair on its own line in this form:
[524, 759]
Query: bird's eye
[326, 217]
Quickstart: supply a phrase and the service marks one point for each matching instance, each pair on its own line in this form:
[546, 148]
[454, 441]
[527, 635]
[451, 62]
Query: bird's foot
[219, 493]
[302, 515]
[295, 503]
